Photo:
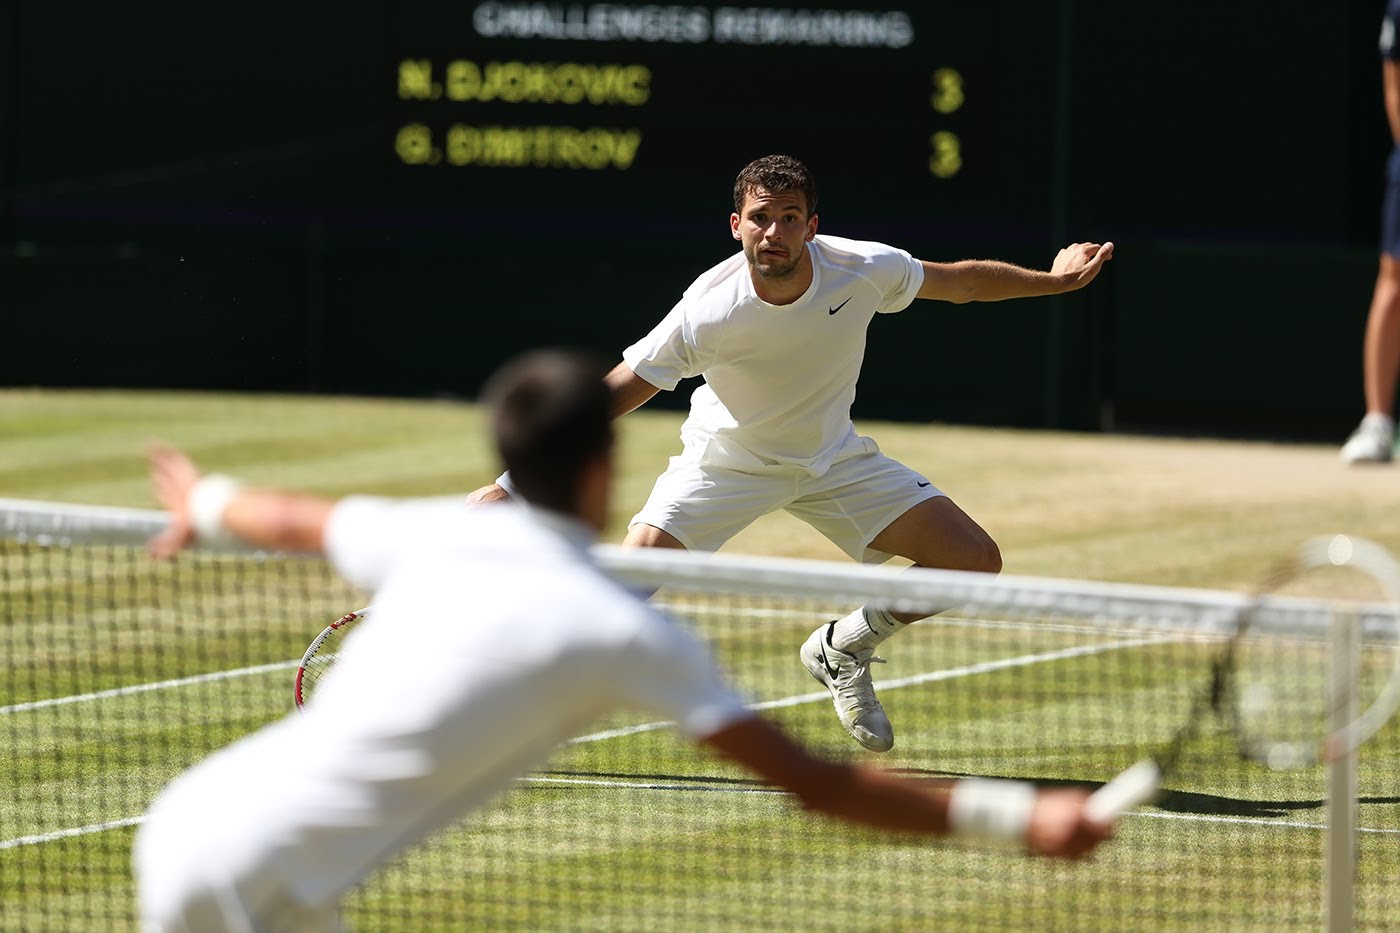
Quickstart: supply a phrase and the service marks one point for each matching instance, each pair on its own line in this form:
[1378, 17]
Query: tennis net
[120, 671]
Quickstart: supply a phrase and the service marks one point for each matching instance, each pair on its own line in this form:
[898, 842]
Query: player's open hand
[488, 494]
[1079, 263]
[173, 475]
[1060, 827]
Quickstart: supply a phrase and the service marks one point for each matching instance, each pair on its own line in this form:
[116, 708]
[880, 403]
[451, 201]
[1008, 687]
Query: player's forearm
[629, 391]
[989, 280]
[861, 795]
[874, 798]
[278, 521]
[1050, 822]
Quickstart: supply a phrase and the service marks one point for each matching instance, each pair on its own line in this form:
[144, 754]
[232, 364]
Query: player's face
[773, 227]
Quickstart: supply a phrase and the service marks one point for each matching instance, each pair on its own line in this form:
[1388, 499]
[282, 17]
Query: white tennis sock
[864, 628]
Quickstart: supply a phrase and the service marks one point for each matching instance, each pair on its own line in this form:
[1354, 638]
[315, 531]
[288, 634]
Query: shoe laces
[853, 684]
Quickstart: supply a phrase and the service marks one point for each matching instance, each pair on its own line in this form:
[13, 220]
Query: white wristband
[206, 503]
[504, 482]
[991, 809]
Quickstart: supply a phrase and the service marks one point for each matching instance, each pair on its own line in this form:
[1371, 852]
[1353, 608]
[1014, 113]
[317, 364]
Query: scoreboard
[490, 125]
[497, 126]
[633, 120]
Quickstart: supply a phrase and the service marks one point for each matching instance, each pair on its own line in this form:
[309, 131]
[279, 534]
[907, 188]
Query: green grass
[696, 846]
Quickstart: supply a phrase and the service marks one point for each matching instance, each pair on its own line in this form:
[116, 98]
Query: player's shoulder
[710, 301]
[877, 264]
[719, 287]
[842, 251]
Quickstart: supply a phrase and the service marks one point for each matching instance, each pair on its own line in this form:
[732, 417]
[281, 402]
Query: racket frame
[314, 648]
[1347, 729]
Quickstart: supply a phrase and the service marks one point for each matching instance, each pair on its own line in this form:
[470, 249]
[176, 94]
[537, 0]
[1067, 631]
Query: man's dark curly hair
[775, 174]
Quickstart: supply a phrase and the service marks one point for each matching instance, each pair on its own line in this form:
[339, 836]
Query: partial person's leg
[936, 533]
[1374, 439]
[1381, 361]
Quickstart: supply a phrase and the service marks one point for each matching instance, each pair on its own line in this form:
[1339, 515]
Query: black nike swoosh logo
[921, 485]
[826, 662]
[837, 308]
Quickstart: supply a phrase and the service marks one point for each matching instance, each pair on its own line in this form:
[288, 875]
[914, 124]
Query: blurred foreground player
[494, 639]
[778, 332]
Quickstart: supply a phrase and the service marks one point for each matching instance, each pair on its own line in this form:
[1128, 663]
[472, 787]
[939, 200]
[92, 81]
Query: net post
[1340, 861]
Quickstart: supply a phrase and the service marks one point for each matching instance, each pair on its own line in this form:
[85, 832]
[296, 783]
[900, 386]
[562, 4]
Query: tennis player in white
[778, 332]
[429, 711]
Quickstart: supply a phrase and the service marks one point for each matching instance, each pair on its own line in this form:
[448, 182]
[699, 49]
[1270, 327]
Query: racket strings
[1290, 694]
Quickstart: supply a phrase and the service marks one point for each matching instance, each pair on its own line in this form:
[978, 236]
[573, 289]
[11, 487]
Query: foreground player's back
[493, 640]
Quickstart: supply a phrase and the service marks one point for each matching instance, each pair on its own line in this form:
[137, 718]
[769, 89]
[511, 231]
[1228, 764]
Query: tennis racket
[1276, 680]
[321, 654]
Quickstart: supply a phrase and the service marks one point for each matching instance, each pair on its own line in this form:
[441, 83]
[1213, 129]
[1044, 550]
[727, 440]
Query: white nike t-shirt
[493, 639]
[779, 379]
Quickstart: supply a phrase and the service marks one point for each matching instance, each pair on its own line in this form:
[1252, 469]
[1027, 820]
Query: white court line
[984, 667]
[148, 688]
[288, 665]
[196, 679]
[929, 677]
[69, 833]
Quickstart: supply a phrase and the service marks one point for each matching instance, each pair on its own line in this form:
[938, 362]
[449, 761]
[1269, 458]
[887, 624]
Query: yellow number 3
[947, 93]
[945, 154]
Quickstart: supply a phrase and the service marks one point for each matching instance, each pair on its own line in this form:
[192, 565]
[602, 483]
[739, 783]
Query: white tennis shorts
[703, 505]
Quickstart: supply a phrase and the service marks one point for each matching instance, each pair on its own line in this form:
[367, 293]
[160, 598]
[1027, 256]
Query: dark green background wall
[208, 198]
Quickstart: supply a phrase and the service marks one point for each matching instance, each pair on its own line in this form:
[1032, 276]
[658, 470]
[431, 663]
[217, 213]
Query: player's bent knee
[642, 535]
[987, 557]
[992, 561]
[979, 554]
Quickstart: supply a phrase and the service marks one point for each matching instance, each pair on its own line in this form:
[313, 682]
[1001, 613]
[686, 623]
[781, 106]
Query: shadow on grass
[1170, 801]
[1173, 801]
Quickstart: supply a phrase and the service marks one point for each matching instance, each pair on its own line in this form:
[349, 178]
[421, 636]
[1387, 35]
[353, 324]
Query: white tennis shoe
[1373, 441]
[847, 676]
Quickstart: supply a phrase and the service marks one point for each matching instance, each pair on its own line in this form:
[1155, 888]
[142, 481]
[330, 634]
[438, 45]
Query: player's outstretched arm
[989, 280]
[212, 507]
[1048, 822]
